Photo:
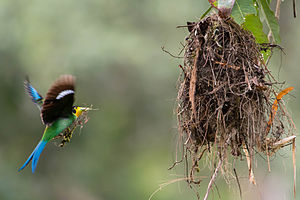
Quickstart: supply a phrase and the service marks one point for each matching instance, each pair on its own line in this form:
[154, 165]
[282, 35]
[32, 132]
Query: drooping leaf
[284, 92]
[253, 24]
[241, 9]
[270, 19]
[275, 107]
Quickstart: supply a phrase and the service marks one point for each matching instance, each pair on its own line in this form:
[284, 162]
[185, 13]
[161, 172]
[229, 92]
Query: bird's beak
[79, 110]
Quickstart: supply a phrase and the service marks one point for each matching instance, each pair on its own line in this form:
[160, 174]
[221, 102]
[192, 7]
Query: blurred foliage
[114, 50]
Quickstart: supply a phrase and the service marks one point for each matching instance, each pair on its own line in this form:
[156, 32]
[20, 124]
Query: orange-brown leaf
[275, 107]
[284, 92]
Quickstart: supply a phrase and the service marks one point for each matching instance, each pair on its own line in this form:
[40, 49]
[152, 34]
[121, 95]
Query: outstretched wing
[36, 98]
[59, 99]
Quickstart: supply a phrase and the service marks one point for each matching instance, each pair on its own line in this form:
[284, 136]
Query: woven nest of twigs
[226, 95]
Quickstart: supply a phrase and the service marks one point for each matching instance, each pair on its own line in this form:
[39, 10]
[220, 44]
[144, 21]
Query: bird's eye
[74, 110]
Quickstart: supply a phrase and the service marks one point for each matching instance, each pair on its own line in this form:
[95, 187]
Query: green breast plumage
[57, 127]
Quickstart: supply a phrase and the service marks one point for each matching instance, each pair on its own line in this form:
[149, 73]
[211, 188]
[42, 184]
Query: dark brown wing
[59, 99]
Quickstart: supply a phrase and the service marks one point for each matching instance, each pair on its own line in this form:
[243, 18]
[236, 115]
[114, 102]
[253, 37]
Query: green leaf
[253, 24]
[241, 9]
[270, 19]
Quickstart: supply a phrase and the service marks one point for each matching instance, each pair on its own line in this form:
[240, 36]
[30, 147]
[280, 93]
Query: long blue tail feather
[34, 156]
[27, 161]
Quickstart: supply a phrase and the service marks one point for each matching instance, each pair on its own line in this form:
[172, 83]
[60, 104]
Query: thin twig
[163, 48]
[182, 26]
[213, 178]
[294, 8]
[182, 49]
[268, 156]
[248, 156]
[238, 182]
[294, 165]
[163, 185]
[175, 163]
[217, 189]
[277, 13]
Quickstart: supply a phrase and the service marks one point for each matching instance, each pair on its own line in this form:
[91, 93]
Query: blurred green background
[113, 47]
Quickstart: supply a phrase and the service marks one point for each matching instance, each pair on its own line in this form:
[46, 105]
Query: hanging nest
[226, 96]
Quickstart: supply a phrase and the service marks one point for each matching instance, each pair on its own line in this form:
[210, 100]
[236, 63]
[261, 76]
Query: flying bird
[57, 112]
